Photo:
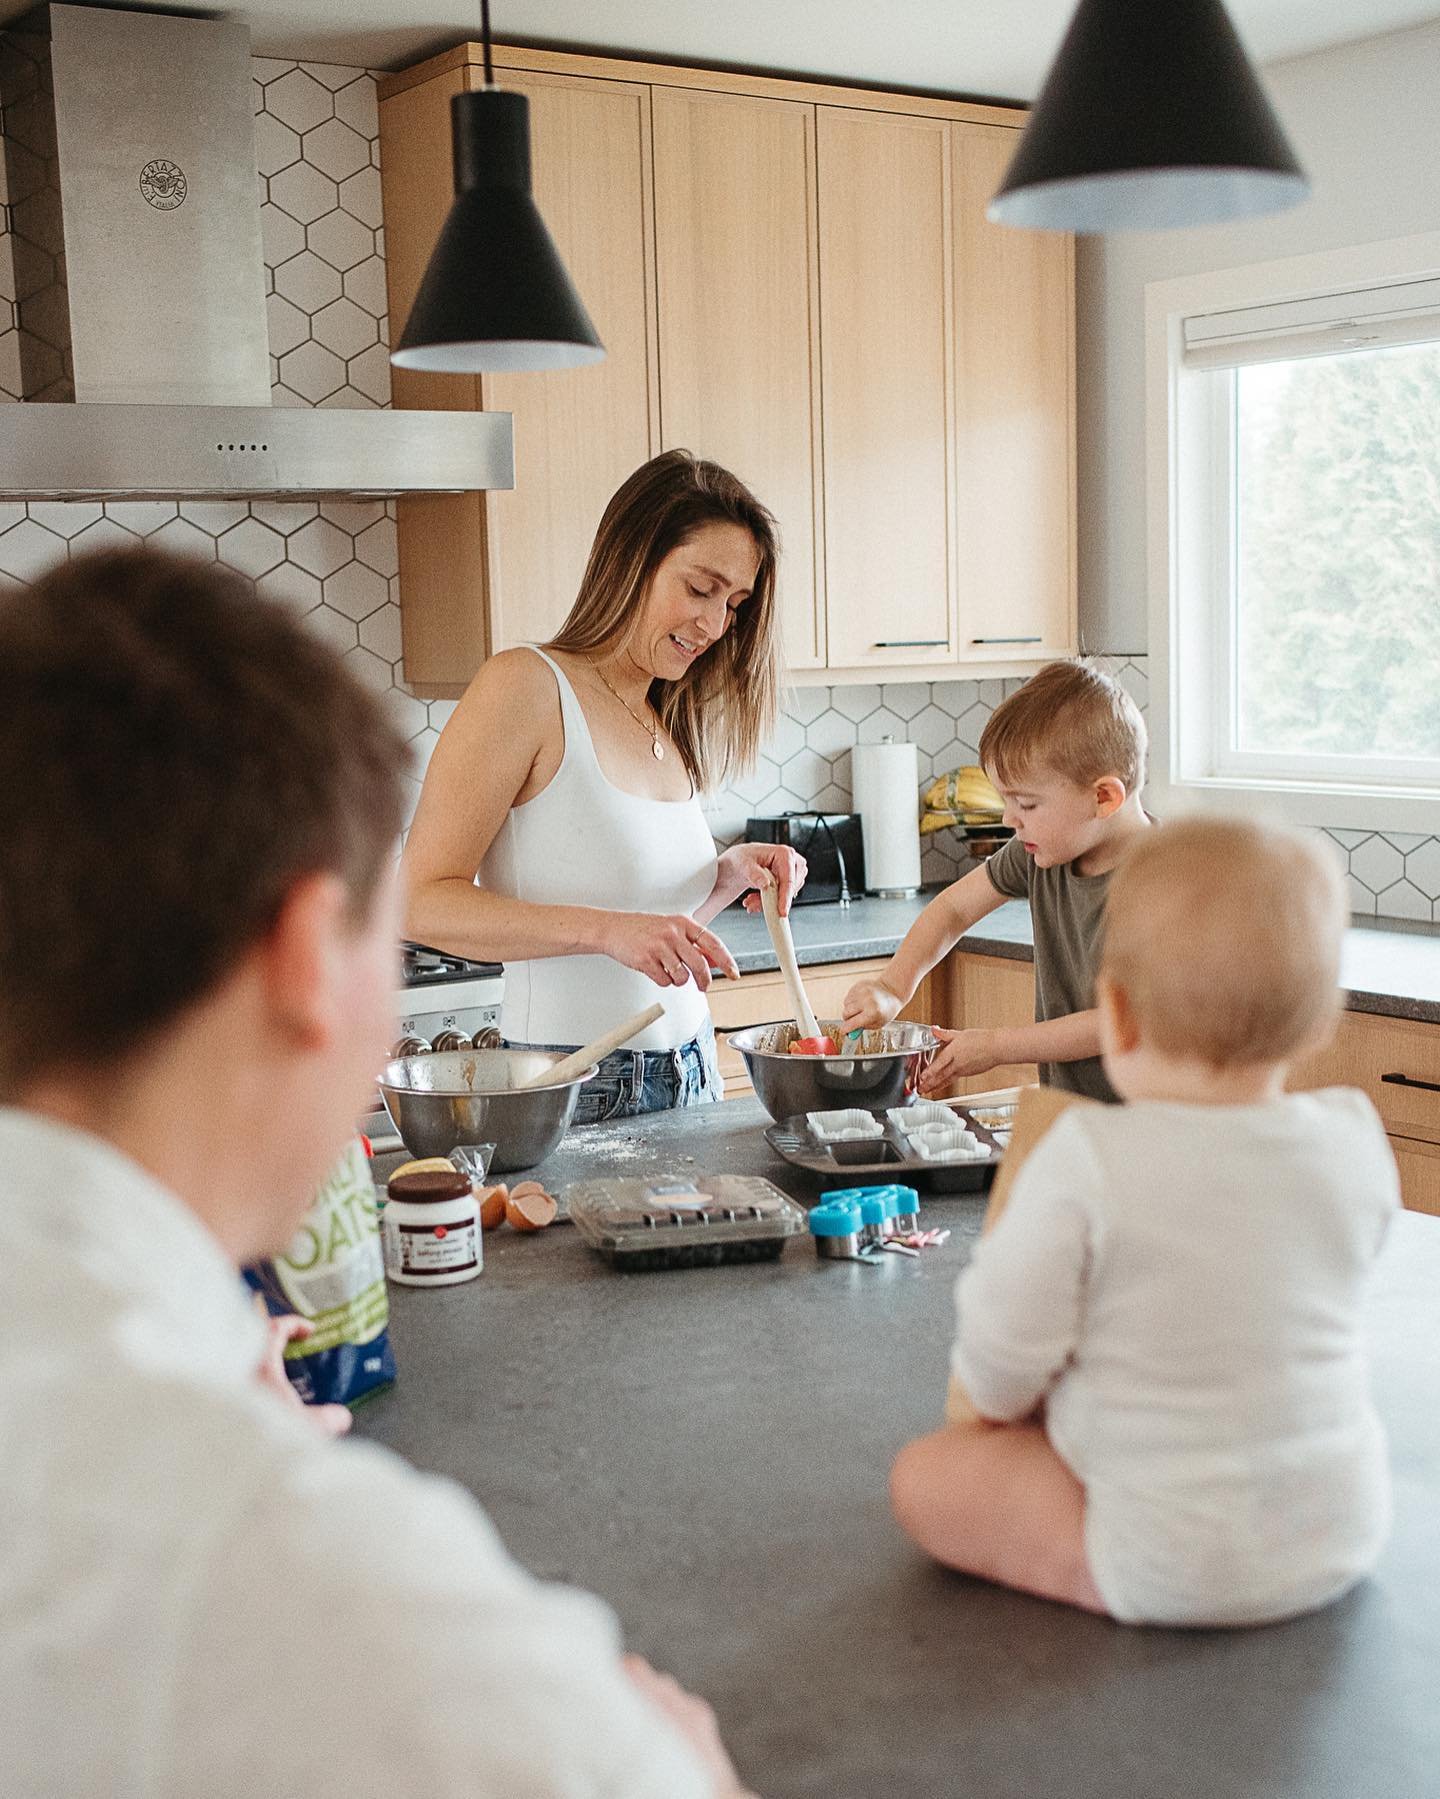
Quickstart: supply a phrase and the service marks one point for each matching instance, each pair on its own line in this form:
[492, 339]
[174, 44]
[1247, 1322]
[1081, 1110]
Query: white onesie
[1182, 1287]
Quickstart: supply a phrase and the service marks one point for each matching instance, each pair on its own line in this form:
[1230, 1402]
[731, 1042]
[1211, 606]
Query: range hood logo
[163, 184]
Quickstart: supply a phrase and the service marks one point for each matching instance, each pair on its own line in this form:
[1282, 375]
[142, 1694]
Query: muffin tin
[907, 1143]
[639, 1225]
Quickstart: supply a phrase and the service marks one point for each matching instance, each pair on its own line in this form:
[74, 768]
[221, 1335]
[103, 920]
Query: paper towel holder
[906, 890]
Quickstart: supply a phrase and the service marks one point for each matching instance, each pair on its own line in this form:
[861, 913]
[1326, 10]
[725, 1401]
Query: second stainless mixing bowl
[881, 1073]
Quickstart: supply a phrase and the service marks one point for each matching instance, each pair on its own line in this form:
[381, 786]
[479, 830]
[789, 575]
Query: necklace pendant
[658, 749]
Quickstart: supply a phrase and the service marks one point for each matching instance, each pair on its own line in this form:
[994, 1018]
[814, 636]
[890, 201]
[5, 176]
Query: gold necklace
[657, 749]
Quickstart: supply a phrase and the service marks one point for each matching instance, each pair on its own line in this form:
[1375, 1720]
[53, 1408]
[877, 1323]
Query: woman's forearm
[731, 881]
[457, 916]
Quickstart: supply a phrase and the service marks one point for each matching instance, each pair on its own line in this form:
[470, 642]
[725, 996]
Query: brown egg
[492, 1205]
[530, 1211]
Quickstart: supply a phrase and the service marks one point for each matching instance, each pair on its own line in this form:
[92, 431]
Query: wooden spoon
[785, 949]
[581, 1059]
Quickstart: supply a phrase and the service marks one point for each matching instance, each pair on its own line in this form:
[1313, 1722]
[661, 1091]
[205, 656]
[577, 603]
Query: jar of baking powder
[431, 1229]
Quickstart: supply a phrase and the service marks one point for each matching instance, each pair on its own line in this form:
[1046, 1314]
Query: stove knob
[448, 1040]
[487, 1037]
[411, 1046]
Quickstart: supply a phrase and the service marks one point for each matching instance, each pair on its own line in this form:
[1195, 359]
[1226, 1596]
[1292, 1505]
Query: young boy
[1067, 753]
[198, 919]
[1165, 1322]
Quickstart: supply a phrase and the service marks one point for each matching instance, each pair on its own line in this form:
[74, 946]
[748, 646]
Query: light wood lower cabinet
[990, 993]
[761, 999]
[1396, 1063]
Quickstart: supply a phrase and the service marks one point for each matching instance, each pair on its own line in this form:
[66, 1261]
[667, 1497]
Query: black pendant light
[1151, 116]
[495, 294]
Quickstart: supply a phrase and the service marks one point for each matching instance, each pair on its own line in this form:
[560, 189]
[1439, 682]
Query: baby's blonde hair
[1071, 718]
[1224, 937]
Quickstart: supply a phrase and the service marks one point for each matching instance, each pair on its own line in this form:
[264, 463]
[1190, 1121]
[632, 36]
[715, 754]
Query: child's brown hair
[1224, 937]
[1072, 719]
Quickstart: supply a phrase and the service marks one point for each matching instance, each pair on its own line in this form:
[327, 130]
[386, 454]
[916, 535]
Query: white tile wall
[318, 153]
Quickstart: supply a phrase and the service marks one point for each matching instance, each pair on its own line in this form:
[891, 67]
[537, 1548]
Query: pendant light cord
[485, 40]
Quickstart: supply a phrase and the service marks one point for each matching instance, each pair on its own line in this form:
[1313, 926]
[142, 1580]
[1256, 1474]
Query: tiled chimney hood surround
[130, 156]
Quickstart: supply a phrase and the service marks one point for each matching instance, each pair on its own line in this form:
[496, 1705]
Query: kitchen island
[708, 1450]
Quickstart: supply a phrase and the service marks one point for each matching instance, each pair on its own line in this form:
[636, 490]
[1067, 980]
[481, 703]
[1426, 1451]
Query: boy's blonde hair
[1224, 937]
[1071, 718]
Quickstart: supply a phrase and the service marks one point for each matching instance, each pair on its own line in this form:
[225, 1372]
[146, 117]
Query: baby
[1162, 1335]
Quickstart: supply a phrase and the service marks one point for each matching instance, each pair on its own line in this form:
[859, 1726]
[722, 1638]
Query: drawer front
[1394, 1061]
[1419, 1165]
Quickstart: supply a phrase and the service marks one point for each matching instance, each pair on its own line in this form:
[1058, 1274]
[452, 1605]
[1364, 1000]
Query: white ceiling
[997, 48]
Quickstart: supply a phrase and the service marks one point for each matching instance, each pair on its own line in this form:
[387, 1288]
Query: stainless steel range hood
[140, 281]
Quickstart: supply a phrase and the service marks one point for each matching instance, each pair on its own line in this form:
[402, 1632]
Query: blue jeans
[632, 1081]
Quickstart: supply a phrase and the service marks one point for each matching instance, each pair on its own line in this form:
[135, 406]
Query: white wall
[1365, 121]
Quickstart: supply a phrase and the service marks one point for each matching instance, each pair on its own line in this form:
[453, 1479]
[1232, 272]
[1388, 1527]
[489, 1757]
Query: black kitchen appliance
[832, 845]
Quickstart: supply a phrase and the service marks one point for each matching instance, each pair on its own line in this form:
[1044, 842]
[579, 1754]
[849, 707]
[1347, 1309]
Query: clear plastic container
[685, 1223]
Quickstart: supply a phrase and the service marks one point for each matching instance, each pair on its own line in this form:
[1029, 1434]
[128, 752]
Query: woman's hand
[752, 866]
[963, 1053]
[669, 950]
[869, 1005]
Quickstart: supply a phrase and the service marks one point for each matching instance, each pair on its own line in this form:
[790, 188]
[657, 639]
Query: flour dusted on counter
[332, 1274]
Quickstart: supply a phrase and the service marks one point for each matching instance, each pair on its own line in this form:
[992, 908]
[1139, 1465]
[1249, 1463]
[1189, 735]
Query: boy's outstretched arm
[874, 1002]
[1068, 1039]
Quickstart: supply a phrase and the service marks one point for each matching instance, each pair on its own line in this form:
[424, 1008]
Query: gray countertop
[1388, 968]
[708, 1450]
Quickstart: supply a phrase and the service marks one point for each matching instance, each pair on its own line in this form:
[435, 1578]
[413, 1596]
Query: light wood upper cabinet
[482, 572]
[887, 380]
[736, 285]
[1014, 417]
[792, 278]
[578, 432]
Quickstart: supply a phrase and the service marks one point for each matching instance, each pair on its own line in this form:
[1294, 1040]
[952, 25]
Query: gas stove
[447, 1002]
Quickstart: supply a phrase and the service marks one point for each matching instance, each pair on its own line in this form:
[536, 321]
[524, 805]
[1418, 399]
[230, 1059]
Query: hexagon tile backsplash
[318, 153]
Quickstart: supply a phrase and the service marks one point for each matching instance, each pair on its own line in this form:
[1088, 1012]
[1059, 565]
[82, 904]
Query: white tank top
[585, 842]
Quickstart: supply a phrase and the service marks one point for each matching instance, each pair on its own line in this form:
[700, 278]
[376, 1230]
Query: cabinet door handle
[911, 643]
[1007, 640]
[1406, 1080]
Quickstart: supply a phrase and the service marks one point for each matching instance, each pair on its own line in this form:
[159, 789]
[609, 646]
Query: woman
[568, 781]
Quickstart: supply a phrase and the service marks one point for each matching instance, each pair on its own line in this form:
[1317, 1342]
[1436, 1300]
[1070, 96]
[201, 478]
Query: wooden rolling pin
[582, 1058]
[789, 967]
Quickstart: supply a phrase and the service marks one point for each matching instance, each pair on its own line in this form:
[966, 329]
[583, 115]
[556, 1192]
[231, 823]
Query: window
[1295, 638]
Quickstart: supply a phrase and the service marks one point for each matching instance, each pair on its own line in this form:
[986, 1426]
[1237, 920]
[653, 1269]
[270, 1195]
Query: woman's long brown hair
[719, 712]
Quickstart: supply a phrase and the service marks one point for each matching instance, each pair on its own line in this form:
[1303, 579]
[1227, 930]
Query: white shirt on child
[1182, 1286]
[200, 1595]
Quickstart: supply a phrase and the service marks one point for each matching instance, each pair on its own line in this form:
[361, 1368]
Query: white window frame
[1191, 561]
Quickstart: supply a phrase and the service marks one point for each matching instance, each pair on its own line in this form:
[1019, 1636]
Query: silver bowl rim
[388, 1086]
[929, 1042]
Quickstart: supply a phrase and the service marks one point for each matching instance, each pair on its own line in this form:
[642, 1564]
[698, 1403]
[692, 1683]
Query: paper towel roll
[885, 782]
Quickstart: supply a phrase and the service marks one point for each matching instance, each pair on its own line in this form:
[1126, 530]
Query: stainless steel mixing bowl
[882, 1072]
[477, 1096]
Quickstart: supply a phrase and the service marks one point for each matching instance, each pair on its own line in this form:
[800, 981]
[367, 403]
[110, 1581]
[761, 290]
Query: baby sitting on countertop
[1162, 1334]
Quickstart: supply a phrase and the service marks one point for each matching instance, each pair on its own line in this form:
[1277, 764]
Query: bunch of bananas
[963, 797]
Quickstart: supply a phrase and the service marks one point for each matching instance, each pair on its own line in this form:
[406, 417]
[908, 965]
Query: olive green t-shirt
[1067, 917]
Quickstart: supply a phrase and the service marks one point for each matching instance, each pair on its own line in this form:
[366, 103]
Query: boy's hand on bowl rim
[961, 1053]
